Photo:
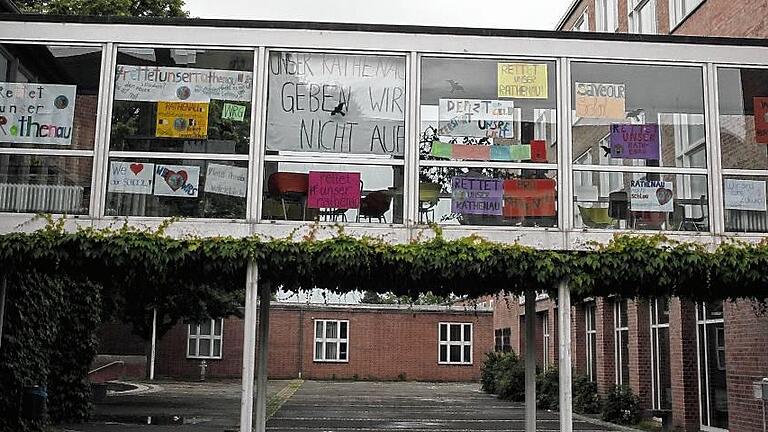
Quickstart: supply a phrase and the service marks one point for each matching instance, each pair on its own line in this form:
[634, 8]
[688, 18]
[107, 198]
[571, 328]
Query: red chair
[291, 187]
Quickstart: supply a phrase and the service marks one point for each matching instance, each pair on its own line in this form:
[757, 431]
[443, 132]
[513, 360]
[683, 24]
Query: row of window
[180, 140]
[641, 15]
[331, 341]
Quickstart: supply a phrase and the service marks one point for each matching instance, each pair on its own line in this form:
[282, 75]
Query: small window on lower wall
[331, 340]
[455, 343]
[204, 339]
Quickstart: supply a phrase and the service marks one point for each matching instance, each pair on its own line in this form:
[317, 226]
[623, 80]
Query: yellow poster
[182, 119]
[523, 80]
[600, 100]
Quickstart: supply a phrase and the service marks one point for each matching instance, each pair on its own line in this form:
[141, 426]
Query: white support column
[249, 348]
[154, 346]
[564, 337]
[260, 422]
[530, 361]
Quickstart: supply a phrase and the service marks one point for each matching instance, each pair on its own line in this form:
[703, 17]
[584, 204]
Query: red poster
[538, 151]
[761, 120]
[338, 190]
[529, 197]
[472, 152]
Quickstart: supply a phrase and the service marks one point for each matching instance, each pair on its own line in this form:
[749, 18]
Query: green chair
[596, 217]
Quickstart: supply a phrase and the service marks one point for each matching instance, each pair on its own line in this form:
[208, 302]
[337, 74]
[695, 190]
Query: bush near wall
[48, 340]
[504, 375]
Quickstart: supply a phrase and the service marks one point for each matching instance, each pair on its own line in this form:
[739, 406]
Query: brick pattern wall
[638, 320]
[606, 372]
[683, 364]
[735, 18]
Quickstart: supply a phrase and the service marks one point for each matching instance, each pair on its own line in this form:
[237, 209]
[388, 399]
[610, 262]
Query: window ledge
[330, 361]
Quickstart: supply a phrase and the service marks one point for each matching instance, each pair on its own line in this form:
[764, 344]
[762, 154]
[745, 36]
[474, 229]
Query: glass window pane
[455, 335]
[663, 305]
[331, 329]
[205, 328]
[493, 110]
[182, 100]
[377, 197]
[318, 329]
[443, 353]
[487, 196]
[216, 348]
[192, 329]
[743, 101]
[641, 201]
[342, 351]
[205, 348]
[319, 351]
[343, 330]
[62, 90]
[745, 203]
[191, 347]
[624, 115]
[324, 104]
[455, 353]
[467, 353]
[217, 327]
[45, 184]
[173, 187]
[330, 351]
[443, 332]
[467, 333]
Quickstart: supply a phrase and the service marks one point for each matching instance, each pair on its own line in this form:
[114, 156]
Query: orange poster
[529, 197]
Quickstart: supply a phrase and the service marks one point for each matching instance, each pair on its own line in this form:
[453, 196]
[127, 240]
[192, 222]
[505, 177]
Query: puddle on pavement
[163, 420]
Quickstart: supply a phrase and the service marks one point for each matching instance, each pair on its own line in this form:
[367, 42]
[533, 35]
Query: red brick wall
[383, 345]
[638, 319]
[683, 364]
[606, 372]
[737, 18]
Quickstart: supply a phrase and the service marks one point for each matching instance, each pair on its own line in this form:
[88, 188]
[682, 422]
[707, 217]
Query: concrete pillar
[566, 380]
[530, 361]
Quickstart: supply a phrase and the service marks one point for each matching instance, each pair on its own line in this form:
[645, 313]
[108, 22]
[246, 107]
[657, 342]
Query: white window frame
[582, 24]
[211, 337]
[545, 340]
[606, 15]
[653, 307]
[620, 332]
[679, 10]
[338, 340]
[701, 323]
[591, 334]
[634, 13]
[448, 343]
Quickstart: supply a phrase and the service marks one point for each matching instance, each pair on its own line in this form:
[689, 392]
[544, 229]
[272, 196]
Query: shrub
[586, 400]
[547, 386]
[510, 378]
[621, 406]
[488, 372]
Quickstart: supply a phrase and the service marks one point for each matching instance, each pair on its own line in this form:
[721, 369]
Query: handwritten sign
[131, 177]
[598, 100]
[441, 150]
[651, 195]
[529, 197]
[761, 120]
[476, 195]
[233, 112]
[334, 190]
[336, 103]
[182, 120]
[745, 195]
[226, 180]
[472, 152]
[156, 83]
[630, 141]
[37, 113]
[177, 180]
[523, 80]
[476, 109]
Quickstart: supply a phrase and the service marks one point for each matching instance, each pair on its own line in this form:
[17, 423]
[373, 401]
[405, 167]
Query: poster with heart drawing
[652, 195]
[177, 180]
[131, 177]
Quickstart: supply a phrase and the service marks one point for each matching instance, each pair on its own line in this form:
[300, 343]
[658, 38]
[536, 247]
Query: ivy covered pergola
[137, 271]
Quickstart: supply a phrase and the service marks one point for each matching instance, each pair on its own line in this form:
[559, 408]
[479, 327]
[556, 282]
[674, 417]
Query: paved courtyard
[317, 406]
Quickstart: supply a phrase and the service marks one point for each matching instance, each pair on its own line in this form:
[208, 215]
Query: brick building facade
[370, 342]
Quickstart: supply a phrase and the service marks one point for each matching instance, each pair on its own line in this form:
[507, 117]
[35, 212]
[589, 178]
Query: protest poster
[477, 118]
[441, 150]
[635, 141]
[233, 112]
[529, 197]
[160, 83]
[761, 120]
[226, 180]
[131, 177]
[651, 195]
[177, 180]
[538, 151]
[472, 152]
[37, 113]
[601, 100]
[476, 195]
[334, 190]
[336, 103]
[744, 195]
[523, 80]
[182, 120]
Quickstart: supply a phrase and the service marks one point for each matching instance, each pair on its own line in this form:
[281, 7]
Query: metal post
[261, 371]
[249, 349]
[530, 361]
[564, 335]
[3, 290]
[154, 346]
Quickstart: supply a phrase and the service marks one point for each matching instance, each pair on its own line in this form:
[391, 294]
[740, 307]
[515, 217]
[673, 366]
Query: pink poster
[334, 190]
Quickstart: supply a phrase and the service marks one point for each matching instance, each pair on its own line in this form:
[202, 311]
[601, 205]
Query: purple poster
[477, 195]
[635, 141]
